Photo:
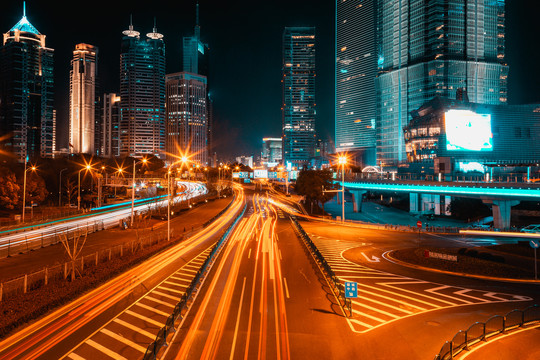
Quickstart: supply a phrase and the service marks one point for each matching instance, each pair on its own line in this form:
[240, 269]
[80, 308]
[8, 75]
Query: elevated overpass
[436, 195]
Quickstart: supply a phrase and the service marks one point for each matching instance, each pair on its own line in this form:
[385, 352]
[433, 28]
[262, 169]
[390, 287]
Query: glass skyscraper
[298, 85]
[430, 48]
[82, 99]
[355, 72]
[142, 94]
[27, 116]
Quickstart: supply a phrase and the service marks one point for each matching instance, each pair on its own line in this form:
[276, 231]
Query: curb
[387, 255]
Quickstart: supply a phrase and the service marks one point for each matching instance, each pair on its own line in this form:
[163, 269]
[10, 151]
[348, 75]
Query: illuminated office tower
[110, 122]
[298, 86]
[355, 72]
[27, 116]
[142, 94]
[82, 99]
[187, 126]
[434, 48]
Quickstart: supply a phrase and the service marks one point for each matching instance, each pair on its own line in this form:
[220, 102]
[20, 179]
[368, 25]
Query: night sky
[245, 44]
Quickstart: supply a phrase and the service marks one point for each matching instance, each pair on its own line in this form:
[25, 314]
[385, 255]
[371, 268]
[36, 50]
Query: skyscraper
[142, 94]
[298, 88]
[187, 126]
[27, 116]
[355, 72]
[435, 48]
[82, 99]
[110, 122]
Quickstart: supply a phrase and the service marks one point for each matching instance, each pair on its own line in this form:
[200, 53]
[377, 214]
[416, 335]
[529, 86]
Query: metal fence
[481, 331]
[181, 308]
[336, 286]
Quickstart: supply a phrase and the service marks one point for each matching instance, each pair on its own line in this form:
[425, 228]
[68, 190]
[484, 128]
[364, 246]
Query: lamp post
[60, 188]
[88, 167]
[342, 161]
[144, 161]
[169, 205]
[33, 168]
[119, 171]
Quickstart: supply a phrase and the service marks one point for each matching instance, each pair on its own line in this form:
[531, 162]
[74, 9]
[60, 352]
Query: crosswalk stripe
[173, 283]
[368, 316]
[188, 280]
[139, 304]
[361, 323]
[144, 318]
[391, 298]
[124, 340]
[434, 291]
[75, 357]
[377, 310]
[159, 301]
[135, 328]
[104, 350]
[393, 286]
[173, 290]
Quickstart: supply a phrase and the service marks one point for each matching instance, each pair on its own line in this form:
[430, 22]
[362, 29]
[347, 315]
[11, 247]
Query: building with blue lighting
[27, 115]
[459, 136]
[355, 72]
[428, 49]
[142, 94]
[298, 89]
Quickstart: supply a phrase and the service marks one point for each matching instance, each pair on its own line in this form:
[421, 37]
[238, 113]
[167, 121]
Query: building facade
[110, 122]
[142, 94]
[298, 89]
[82, 99]
[27, 116]
[187, 126]
[272, 151]
[355, 72]
[428, 49]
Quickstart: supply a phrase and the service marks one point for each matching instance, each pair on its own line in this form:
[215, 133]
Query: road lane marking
[144, 318]
[124, 340]
[462, 293]
[175, 298]
[434, 291]
[238, 319]
[361, 323]
[104, 350]
[135, 328]
[376, 310]
[173, 290]
[159, 301]
[368, 316]
[152, 309]
[173, 283]
[286, 287]
[75, 357]
[188, 280]
[249, 253]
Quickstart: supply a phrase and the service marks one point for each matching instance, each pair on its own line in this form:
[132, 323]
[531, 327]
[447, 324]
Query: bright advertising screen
[467, 130]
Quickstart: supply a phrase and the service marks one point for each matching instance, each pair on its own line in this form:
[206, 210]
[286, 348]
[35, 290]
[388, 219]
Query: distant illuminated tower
[142, 94]
[110, 121]
[27, 116]
[298, 85]
[195, 57]
[187, 125]
[82, 99]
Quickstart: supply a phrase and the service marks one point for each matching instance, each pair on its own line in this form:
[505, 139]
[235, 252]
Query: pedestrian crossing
[384, 297]
[128, 335]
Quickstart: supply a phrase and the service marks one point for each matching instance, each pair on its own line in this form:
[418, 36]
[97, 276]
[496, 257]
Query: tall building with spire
[27, 116]
[142, 94]
[298, 86]
[82, 99]
[195, 52]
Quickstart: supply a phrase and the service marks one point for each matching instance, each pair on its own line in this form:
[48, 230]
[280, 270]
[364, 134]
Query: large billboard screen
[467, 130]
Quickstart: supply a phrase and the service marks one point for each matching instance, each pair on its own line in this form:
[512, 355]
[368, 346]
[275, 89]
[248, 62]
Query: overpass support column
[357, 199]
[501, 212]
[413, 203]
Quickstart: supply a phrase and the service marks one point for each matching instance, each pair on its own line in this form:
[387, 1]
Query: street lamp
[169, 204]
[144, 161]
[33, 168]
[342, 160]
[120, 172]
[88, 167]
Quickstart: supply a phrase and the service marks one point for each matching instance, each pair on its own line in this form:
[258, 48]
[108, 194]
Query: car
[533, 228]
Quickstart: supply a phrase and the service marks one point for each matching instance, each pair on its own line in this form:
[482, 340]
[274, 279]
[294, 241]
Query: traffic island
[478, 262]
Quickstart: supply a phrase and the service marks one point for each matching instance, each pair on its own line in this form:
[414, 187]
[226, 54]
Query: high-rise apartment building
[142, 94]
[355, 72]
[298, 89]
[187, 126]
[110, 122]
[434, 48]
[82, 99]
[27, 116]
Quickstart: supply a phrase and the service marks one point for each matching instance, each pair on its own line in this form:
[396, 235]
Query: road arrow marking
[373, 258]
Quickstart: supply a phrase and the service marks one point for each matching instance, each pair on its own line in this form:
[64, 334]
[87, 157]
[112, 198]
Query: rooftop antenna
[197, 27]
[154, 34]
[24, 8]
[131, 32]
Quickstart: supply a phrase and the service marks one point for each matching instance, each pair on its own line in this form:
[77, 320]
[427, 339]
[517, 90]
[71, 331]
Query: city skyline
[258, 54]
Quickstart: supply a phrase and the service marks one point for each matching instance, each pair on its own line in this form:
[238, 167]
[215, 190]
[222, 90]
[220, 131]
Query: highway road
[32, 237]
[117, 320]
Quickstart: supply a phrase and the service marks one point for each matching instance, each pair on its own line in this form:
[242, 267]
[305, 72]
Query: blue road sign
[535, 243]
[351, 289]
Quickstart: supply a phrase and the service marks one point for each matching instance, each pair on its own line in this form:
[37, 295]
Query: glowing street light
[342, 160]
[87, 167]
[32, 168]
